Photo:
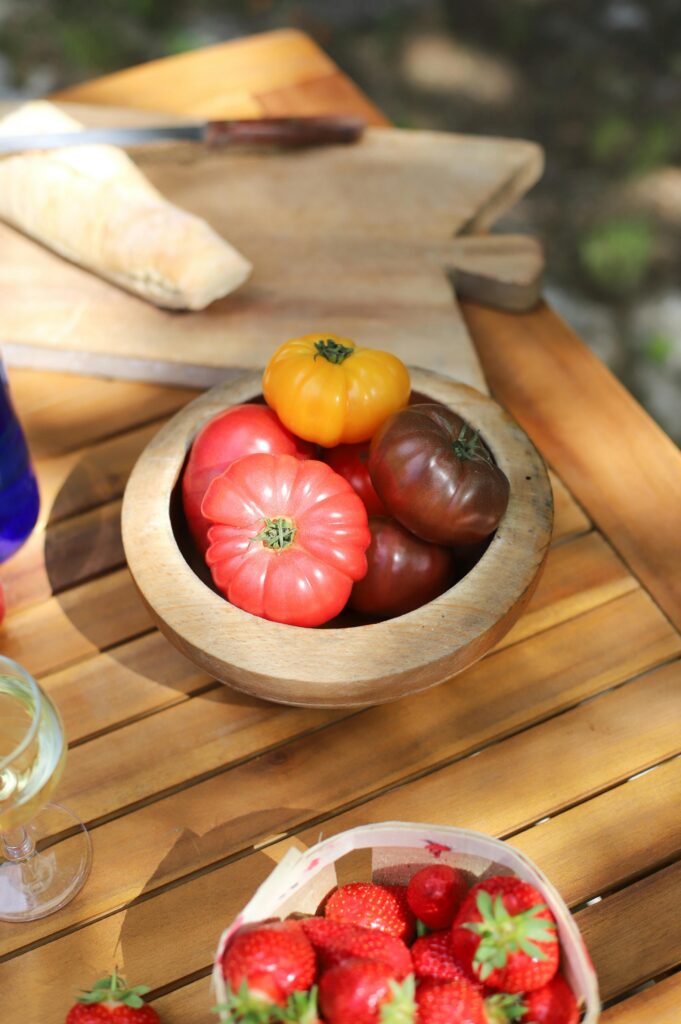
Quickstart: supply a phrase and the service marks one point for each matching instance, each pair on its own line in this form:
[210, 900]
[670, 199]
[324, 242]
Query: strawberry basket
[393, 853]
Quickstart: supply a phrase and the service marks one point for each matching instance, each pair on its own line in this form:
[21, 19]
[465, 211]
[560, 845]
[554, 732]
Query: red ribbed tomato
[241, 430]
[289, 538]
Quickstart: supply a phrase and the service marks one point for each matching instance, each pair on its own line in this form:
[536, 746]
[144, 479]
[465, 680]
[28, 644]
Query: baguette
[92, 205]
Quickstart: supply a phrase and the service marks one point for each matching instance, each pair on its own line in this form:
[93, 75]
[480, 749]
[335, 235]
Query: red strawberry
[456, 1002]
[112, 1001]
[336, 941]
[555, 1003]
[434, 959]
[265, 963]
[434, 894]
[505, 935]
[365, 992]
[372, 906]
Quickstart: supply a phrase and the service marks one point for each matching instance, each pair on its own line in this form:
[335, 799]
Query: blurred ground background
[597, 82]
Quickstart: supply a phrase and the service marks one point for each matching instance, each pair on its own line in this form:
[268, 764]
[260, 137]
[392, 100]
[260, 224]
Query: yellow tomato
[326, 389]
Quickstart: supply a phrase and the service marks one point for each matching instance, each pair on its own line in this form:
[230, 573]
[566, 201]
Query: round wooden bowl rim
[264, 657]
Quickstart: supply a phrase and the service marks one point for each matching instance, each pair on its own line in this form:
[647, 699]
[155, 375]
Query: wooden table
[190, 791]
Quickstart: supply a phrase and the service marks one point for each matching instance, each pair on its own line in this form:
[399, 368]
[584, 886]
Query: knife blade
[291, 132]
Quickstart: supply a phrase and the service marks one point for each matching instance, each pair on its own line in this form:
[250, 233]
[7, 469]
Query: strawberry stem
[502, 933]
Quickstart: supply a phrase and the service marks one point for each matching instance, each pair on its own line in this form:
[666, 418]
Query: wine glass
[45, 851]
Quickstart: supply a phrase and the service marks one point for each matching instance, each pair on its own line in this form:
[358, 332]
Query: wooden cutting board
[355, 240]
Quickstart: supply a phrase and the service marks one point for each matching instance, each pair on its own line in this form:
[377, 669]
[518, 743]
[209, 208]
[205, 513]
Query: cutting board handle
[502, 271]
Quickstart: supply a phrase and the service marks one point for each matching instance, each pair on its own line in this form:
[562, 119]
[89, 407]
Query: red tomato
[403, 572]
[241, 430]
[352, 462]
[289, 540]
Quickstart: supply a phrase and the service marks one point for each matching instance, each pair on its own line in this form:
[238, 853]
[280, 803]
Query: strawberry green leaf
[401, 1009]
[503, 1008]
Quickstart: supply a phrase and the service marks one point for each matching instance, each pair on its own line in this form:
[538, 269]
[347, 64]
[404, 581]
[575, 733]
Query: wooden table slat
[63, 412]
[626, 956]
[75, 625]
[203, 904]
[618, 463]
[657, 1004]
[276, 792]
[200, 736]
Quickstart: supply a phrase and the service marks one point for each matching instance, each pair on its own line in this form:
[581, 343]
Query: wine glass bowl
[32, 747]
[45, 852]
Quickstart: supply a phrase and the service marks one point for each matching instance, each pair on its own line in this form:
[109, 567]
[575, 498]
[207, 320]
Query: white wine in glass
[45, 852]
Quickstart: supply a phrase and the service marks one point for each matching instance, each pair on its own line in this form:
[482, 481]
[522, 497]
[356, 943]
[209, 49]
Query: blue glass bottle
[19, 499]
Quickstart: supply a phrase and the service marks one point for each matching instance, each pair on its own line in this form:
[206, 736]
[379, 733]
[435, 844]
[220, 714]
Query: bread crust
[92, 205]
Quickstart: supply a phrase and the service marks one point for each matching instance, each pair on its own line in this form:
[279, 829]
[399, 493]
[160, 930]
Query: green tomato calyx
[332, 351]
[277, 534]
[470, 447]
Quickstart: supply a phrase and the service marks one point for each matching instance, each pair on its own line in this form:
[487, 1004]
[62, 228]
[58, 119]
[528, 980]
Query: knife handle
[286, 131]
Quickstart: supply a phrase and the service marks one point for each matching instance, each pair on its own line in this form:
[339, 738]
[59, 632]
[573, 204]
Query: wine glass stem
[17, 844]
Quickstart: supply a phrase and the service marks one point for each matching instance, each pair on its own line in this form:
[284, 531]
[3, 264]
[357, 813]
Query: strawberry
[372, 906]
[112, 1001]
[365, 992]
[265, 963]
[434, 894]
[456, 1002]
[242, 1006]
[335, 941]
[554, 1003]
[434, 959]
[505, 935]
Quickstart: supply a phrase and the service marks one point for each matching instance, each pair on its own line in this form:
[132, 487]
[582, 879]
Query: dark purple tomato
[403, 572]
[436, 476]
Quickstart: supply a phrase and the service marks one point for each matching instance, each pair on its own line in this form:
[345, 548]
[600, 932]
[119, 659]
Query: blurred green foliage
[617, 254]
[658, 347]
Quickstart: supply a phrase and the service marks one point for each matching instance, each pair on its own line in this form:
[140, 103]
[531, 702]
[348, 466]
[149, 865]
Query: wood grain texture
[577, 576]
[190, 1004]
[122, 685]
[569, 518]
[229, 812]
[622, 834]
[74, 625]
[345, 238]
[185, 920]
[619, 465]
[61, 412]
[626, 957]
[501, 271]
[338, 667]
[92, 476]
[64, 555]
[659, 1003]
[219, 80]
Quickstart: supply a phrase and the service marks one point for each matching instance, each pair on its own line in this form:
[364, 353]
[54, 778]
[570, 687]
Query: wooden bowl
[335, 666]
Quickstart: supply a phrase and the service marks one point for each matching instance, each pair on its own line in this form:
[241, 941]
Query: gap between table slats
[189, 908]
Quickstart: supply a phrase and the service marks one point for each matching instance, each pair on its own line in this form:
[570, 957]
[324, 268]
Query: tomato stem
[470, 447]
[333, 351]
[276, 534]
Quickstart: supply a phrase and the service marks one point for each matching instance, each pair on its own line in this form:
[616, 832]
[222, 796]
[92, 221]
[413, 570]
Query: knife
[274, 131]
